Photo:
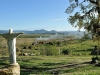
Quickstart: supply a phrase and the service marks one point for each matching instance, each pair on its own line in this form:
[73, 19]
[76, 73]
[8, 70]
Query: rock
[13, 69]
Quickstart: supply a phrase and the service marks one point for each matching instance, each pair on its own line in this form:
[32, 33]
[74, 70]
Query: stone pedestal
[12, 69]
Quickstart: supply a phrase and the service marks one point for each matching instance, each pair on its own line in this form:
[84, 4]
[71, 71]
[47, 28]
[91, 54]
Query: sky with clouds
[34, 15]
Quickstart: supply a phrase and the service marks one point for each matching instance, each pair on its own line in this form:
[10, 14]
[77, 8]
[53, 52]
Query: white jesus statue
[11, 41]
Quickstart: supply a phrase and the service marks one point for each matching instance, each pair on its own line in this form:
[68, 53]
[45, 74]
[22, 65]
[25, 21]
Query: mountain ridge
[41, 31]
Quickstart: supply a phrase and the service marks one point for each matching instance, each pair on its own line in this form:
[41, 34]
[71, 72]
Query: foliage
[86, 37]
[74, 46]
[87, 18]
[50, 50]
[65, 51]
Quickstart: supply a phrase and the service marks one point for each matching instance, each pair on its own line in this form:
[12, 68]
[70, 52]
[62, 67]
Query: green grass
[43, 65]
[46, 65]
[76, 63]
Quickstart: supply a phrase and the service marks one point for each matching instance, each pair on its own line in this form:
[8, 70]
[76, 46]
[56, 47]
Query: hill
[41, 31]
[76, 34]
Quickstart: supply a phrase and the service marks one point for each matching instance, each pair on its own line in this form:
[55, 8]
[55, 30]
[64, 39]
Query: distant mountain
[3, 31]
[44, 31]
[30, 32]
[41, 31]
[16, 31]
[76, 34]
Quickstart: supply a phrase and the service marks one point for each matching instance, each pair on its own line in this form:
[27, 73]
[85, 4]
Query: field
[49, 59]
[50, 65]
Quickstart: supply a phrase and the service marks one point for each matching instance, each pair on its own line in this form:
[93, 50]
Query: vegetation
[51, 47]
[48, 65]
[68, 57]
[88, 18]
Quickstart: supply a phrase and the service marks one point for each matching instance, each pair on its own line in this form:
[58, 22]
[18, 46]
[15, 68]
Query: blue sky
[34, 15]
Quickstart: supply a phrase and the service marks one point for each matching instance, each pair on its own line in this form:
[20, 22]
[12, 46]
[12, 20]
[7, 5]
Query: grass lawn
[64, 65]
[76, 63]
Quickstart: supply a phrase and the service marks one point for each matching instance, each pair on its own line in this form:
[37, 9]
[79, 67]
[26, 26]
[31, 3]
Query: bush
[66, 52]
[49, 51]
[95, 52]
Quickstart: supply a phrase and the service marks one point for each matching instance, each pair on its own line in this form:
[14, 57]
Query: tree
[88, 18]
[86, 36]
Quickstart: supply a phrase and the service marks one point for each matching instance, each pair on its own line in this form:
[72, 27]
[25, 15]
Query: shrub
[49, 51]
[66, 52]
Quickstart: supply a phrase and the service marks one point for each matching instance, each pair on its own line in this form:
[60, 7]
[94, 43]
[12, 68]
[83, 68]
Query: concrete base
[12, 69]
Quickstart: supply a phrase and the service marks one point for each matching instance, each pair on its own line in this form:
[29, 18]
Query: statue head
[10, 31]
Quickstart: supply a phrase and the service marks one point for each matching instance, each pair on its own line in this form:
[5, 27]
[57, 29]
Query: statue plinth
[10, 70]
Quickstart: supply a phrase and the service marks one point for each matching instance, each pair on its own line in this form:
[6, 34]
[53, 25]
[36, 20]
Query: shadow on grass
[3, 62]
[46, 70]
[89, 50]
[34, 70]
[27, 58]
[51, 64]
